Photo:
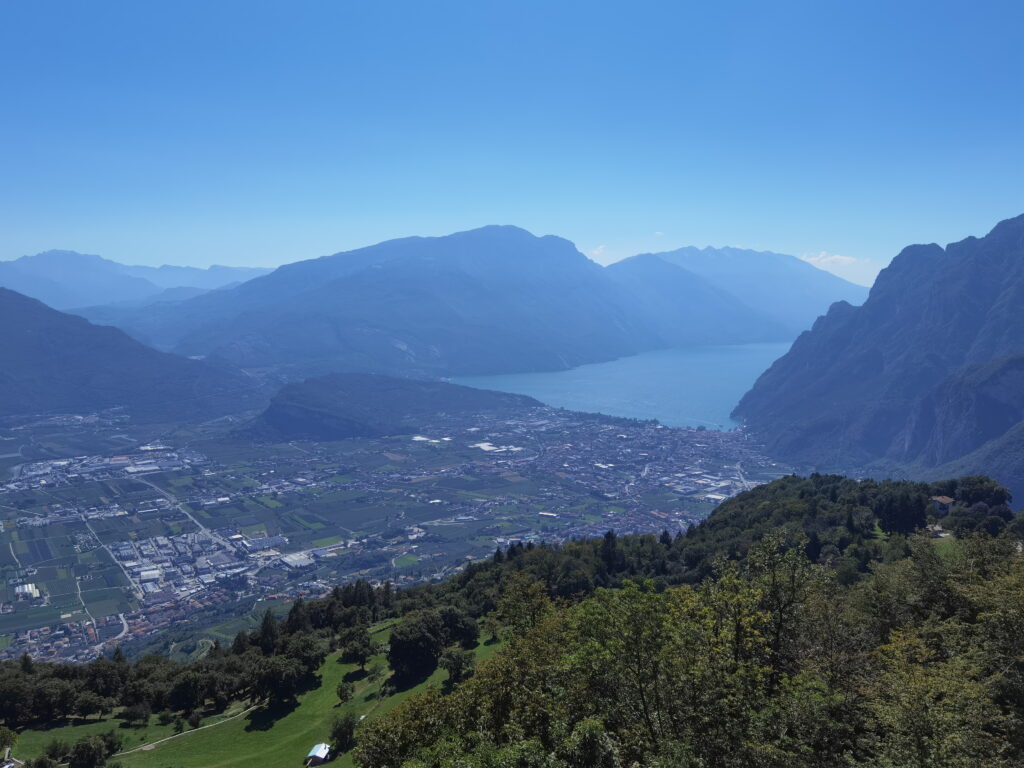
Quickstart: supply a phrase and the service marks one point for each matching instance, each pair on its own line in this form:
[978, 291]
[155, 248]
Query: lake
[682, 387]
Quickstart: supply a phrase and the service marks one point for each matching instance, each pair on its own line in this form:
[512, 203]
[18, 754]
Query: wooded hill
[741, 643]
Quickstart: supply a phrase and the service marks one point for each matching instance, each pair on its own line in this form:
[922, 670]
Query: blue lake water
[683, 387]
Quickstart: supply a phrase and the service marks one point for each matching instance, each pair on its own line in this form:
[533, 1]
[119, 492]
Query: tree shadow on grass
[405, 682]
[355, 675]
[264, 718]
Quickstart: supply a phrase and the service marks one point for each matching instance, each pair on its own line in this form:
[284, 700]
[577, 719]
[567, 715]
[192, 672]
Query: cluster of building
[586, 475]
[154, 457]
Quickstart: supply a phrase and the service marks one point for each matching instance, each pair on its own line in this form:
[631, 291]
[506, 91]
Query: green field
[32, 743]
[240, 738]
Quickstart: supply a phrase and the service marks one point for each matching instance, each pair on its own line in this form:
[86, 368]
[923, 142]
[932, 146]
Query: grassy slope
[253, 739]
[31, 743]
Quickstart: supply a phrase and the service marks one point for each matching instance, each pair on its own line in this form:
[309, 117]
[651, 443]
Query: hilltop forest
[808, 622]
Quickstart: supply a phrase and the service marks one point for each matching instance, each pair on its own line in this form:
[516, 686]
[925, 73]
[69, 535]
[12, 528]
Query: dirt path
[153, 744]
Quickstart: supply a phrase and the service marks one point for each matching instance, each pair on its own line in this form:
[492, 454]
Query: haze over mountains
[61, 363]
[67, 279]
[789, 289]
[928, 373]
[492, 300]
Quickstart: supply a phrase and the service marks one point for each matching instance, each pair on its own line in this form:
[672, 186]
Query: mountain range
[492, 300]
[67, 279]
[927, 374]
[788, 289]
[60, 363]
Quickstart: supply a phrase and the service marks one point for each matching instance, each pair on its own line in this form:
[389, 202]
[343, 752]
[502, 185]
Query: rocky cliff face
[928, 370]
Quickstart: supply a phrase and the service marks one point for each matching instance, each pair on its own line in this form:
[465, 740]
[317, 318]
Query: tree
[522, 603]
[279, 678]
[345, 690]
[458, 663]
[298, 619]
[111, 742]
[187, 692]
[8, 738]
[492, 626]
[88, 703]
[57, 750]
[241, 643]
[589, 746]
[416, 645]
[932, 713]
[268, 634]
[459, 627]
[136, 714]
[343, 732]
[358, 646]
[87, 753]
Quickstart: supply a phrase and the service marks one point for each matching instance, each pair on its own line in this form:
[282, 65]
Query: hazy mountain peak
[783, 287]
[67, 279]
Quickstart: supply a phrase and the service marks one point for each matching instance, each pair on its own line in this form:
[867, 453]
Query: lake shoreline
[680, 386]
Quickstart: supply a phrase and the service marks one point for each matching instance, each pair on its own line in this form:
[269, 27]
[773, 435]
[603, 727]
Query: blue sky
[260, 133]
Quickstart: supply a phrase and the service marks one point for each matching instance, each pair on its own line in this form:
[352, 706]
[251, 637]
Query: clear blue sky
[260, 133]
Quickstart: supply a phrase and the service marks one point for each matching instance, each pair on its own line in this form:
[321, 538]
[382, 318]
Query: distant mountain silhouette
[344, 405]
[66, 279]
[928, 372]
[785, 288]
[492, 300]
[685, 309]
[59, 363]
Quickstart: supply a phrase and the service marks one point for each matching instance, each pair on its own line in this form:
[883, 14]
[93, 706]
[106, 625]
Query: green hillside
[809, 623]
[245, 734]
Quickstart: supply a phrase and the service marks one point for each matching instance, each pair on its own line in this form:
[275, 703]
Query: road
[124, 631]
[135, 587]
[747, 485]
[187, 512]
[78, 586]
[11, 544]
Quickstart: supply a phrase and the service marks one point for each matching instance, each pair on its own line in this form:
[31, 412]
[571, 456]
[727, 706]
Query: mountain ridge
[925, 373]
[496, 299]
[61, 363]
[66, 279]
[784, 287]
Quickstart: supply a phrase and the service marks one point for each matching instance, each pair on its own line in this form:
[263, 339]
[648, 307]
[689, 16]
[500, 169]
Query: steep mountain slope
[366, 405]
[684, 308]
[66, 279]
[783, 287]
[485, 301]
[491, 300]
[927, 371]
[54, 362]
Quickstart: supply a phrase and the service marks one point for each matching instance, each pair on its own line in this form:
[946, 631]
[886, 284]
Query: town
[105, 550]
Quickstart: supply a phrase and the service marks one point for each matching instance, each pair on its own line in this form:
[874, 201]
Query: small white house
[319, 754]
